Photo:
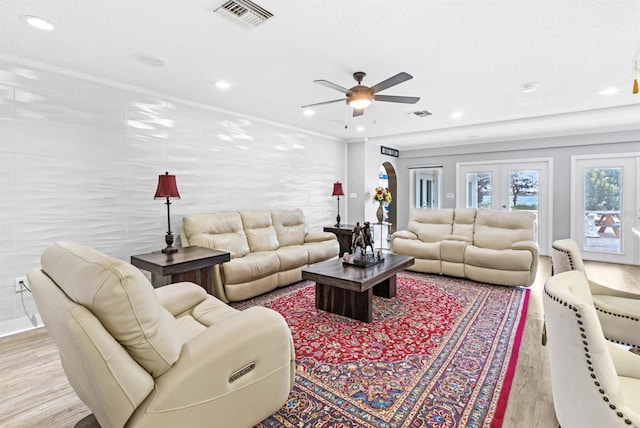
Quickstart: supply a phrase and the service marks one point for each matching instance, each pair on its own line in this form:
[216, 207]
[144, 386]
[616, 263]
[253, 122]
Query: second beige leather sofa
[496, 247]
[268, 248]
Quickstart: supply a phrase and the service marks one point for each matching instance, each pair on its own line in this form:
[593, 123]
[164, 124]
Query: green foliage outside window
[602, 189]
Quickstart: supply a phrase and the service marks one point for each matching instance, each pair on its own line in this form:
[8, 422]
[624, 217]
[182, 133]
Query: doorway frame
[575, 230]
[548, 238]
[393, 188]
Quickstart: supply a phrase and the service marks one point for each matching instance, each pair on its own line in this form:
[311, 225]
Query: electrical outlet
[19, 284]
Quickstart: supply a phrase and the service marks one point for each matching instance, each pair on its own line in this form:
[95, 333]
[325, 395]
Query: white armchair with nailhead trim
[595, 383]
[619, 311]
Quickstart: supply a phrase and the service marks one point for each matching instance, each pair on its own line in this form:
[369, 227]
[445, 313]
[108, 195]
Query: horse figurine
[361, 238]
[366, 235]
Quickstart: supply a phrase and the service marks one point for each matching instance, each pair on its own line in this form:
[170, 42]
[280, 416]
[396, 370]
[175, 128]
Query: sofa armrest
[320, 236]
[597, 288]
[256, 335]
[184, 241]
[404, 234]
[526, 245]
[180, 296]
[533, 248]
[457, 238]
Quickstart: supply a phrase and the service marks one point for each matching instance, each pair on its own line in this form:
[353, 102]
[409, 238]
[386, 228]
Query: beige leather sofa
[268, 248]
[595, 383]
[164, 358]
[495, 247]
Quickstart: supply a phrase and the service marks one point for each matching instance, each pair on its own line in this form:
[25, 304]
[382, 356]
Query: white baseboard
[20, 324]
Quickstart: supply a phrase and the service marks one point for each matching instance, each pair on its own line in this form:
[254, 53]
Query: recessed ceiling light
[37, 22]
[222, 84]
[527, 88]
[609, 91]
[308, 112]
[457, 114]
[147, 59]
[360, 129]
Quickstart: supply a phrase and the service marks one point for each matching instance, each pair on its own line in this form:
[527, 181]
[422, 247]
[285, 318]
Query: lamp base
[337, 221]
[170, 249]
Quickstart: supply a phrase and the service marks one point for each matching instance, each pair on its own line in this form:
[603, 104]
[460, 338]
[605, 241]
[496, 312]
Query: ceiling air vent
[244, 12]
[422, 113]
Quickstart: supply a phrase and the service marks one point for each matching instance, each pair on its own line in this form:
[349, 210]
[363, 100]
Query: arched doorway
[392, 184]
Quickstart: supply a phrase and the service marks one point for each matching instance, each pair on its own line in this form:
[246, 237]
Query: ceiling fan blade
[332, 86]
[325, 102]
[396, 99]
[358, 112]
[391, 81]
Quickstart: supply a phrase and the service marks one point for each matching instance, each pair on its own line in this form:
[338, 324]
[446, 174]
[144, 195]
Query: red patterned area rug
[440, 354]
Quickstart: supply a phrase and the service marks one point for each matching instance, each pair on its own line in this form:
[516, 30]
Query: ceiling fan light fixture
[360, 103]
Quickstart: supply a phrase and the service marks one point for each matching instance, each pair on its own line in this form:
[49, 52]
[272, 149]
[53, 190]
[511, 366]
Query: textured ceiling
[468, 56]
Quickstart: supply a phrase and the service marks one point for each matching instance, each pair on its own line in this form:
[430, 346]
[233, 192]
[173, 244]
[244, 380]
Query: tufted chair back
[594, 382]
[566, 256]
[618, 310]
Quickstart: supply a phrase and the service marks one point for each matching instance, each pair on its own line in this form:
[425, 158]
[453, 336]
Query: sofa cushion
[497, 230]
[417, 248]
[250, 267]
[259, 229]
[431, 225]
[464, 220]
[322, 250]
[220, 231]
[514, 260]
[122, 298]
[292, 256]
[290, 225]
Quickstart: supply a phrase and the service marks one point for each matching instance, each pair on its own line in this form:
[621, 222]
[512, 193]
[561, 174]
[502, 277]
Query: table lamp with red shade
[167, 188]
[337, 191]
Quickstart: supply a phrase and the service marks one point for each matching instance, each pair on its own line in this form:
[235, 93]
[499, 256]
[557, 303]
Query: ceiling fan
[361, 96]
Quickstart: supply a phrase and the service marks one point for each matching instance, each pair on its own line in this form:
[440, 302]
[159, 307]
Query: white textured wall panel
[80, 160]
[6, 168]
[6, 102]
[7, 236]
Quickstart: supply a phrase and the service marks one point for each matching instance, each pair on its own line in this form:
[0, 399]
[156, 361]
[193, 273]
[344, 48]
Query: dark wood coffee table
[348, 290]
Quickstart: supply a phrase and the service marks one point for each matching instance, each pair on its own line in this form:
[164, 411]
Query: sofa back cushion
[219, 231]
[431, 225]
[497, 230]
[259, 229]
[121, 297]
[290, 225]
[463, 222]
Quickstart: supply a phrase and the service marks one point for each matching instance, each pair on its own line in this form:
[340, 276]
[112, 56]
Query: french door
[606, 207]
[509, 186]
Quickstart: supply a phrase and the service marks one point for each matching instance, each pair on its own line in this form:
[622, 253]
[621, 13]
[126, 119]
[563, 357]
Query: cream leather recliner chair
[170, 357]
[619, 311]
[595, 383]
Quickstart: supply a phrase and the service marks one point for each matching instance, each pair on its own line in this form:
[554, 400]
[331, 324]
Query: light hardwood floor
[34, 391]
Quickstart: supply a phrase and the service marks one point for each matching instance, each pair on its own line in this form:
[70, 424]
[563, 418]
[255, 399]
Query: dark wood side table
[188, 264]
[344, 236]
